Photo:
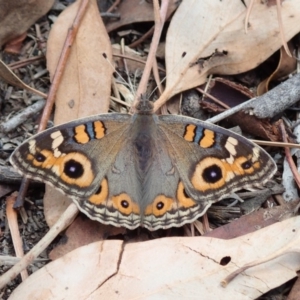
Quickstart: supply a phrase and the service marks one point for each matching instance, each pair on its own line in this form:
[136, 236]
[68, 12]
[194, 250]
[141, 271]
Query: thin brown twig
[136, 60]
[212, 98]
[12, 219]
[64, 221]
[159, 16]
[25, 62]
[114, 5]
[142, 38]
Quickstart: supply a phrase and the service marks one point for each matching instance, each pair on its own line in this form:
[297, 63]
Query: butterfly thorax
[143, 133]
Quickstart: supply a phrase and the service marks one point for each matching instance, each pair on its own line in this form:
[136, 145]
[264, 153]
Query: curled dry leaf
[86, 83]
[162, 268]
[16, 16]
[286, 66]
[208, 37]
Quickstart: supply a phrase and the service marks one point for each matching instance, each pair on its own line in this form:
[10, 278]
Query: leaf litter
[208, 61]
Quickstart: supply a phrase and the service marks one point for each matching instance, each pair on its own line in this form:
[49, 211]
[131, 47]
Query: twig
[159, 17]
[142, 38]
[231, 111]
[25, 62]
[19, 119]
[269, 104]
[64, 221]
[12, 219]
[114, 5]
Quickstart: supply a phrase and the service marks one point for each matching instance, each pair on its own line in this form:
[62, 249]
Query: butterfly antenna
[123, 81]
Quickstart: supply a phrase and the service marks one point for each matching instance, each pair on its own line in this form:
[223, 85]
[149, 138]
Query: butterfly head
[144, 106]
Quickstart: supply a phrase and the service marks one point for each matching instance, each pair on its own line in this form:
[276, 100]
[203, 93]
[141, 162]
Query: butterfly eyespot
[40, 157]
[73, 169]
[212, 174]
[124, 203]
[246, 165]
[160, 205]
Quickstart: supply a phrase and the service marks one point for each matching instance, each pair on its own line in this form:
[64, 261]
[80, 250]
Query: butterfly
[143, 169]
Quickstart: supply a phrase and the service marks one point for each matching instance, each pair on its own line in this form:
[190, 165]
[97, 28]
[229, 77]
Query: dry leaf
[208, 37]
[286, 66]
[16, 16]
[169, 268]
[84, 231]
[85, 87]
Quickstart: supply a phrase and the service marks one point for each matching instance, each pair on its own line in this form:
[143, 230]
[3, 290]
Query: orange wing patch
[81, 136]
[208, 139]
[101, 195]
[99, 129]
[189, 134]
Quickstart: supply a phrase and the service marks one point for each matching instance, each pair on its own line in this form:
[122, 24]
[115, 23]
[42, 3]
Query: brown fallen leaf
[83, 231]
[166, 268]
[202, 44]
[16, 16]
